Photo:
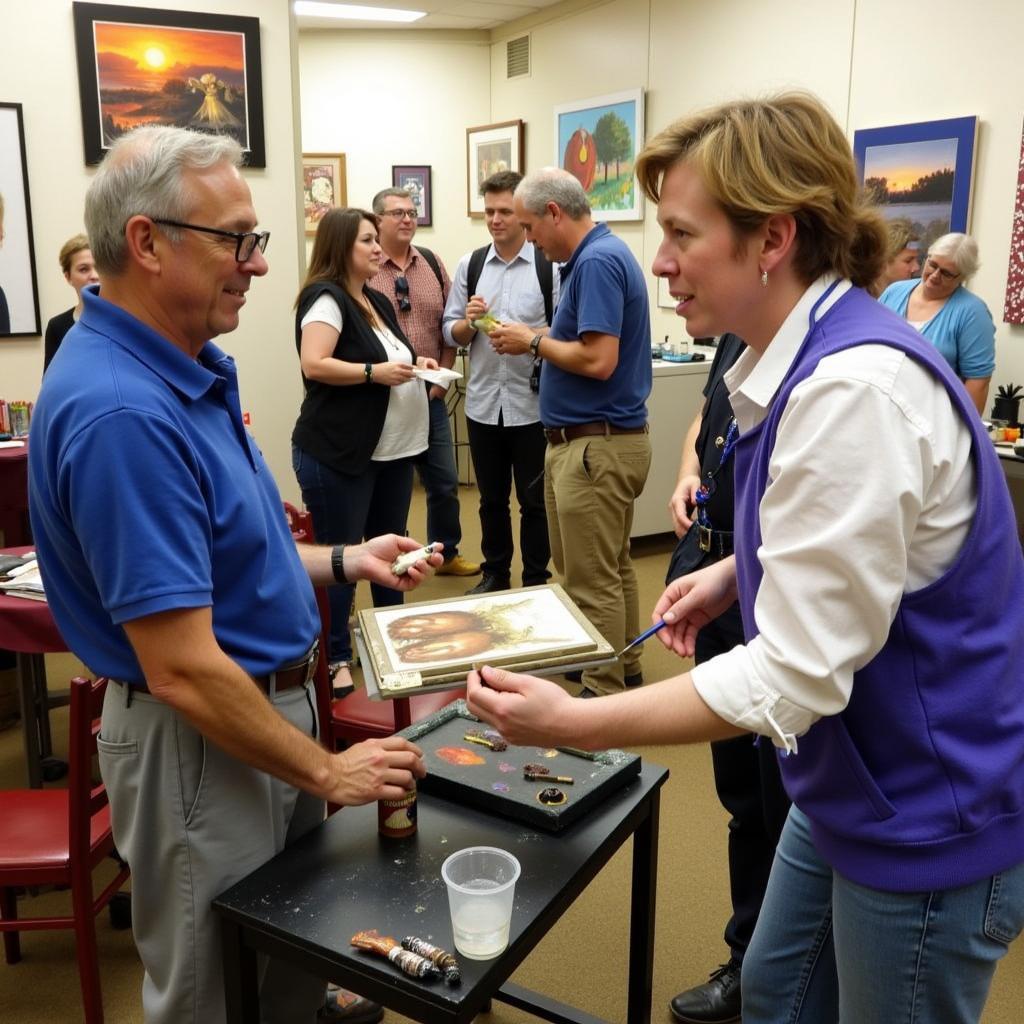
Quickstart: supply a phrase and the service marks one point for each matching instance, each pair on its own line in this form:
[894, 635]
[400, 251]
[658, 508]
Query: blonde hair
[901, 236]
[781, 154]
[75, 244]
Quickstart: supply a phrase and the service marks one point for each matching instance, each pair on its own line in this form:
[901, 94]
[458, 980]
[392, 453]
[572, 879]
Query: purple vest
[918, 784]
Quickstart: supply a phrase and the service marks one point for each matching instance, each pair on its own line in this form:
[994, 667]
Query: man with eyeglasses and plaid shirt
[417, 283]
[170, 569]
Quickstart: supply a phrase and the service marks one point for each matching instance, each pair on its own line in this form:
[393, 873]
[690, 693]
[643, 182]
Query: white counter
[676, 397]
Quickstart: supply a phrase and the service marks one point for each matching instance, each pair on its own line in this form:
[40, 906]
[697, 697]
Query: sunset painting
[140, 66]
[179, 76]
[921, 172]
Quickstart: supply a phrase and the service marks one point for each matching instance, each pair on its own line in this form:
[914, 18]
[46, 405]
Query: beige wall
[38, 70]
[400, 97]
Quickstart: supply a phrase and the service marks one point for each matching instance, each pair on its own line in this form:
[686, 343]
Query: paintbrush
[645, 635]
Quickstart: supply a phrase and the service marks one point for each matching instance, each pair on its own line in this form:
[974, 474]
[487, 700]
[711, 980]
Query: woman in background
[364, 415]
[953, 319]
[79, 270]
[901, 263]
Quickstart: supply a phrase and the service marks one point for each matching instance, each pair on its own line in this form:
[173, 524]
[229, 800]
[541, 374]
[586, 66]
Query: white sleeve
[325, 310]
[852, 470]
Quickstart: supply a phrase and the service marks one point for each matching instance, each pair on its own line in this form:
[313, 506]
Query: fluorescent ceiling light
[354, 12]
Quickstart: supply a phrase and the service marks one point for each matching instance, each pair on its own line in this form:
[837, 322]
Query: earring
[764, 278]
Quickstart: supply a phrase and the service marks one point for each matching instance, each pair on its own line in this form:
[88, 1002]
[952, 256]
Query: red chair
[57, 837]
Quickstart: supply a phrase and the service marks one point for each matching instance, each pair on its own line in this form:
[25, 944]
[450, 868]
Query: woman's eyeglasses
[246, 242]
[402, 293]
[931, 267]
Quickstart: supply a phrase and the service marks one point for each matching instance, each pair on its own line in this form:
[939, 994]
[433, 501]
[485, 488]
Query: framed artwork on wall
[19, 293]
[139, 65]
[415, 179]
[323, 186]
[597, 140]
[491, 148]
[922, 172]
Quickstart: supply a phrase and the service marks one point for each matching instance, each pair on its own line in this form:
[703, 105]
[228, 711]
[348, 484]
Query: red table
[28, 629]
[14, 495]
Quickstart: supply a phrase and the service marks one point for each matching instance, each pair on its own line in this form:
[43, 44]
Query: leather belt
[717, 542]
[562, 435]
[298, 673]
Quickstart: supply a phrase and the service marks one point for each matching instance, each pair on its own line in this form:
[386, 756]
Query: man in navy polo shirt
[593, 404]
[169, 568]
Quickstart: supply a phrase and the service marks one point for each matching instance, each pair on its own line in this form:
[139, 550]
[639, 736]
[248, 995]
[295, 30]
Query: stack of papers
[442, 375]
[23, 580]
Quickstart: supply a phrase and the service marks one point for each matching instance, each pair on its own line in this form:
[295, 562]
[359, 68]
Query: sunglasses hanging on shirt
[402, 293]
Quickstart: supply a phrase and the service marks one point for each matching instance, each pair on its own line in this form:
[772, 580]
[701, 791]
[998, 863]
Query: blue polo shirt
[146, 494]
[602, 290]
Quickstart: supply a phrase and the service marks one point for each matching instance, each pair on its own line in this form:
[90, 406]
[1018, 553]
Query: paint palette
[493, 780]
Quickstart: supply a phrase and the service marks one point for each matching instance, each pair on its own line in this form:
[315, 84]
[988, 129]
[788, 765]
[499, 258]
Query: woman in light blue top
[953, 319]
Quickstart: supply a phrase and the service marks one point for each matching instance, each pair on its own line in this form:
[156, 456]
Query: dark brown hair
[332, 248]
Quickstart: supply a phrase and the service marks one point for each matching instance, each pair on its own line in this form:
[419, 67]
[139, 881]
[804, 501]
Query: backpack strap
[545, 277]
[476, 265]
[428, 255]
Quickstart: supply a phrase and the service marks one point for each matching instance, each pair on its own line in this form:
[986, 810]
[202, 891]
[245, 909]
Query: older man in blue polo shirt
[593, 404]
[169, 568]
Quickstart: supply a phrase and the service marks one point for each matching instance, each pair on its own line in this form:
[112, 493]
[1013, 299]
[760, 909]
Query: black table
[306, 903]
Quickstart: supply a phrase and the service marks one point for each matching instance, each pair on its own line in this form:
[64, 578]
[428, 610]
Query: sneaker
[458, 566]
[488, 584]
[344, 1007]
[717, 1001]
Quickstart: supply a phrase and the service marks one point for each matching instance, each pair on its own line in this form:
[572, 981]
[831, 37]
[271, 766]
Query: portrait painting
[139, 65]
[491, 148]
[323, 186]
[19, 294]
[597, 141]
[921, 172]
[440, 641]
[415, 179]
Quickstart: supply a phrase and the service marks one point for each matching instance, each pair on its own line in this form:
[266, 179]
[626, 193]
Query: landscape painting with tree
[142, 66]
[921, 172]
[597, 140]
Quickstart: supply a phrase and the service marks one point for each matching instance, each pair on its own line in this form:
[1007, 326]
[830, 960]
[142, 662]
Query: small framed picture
[323, 186]
[415, 179]
[491, 148]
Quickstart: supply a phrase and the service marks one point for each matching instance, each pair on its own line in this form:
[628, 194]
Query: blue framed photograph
[415, 179]
[922, 172]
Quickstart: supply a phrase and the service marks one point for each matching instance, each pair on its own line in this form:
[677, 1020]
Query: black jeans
[749, 787]
[500, 455]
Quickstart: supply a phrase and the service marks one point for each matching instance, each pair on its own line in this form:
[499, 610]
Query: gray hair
[142, 174]
[961, 249]
[553, 185]
[378, 199]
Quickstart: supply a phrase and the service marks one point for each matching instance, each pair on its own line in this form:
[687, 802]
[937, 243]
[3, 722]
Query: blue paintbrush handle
[645, 635]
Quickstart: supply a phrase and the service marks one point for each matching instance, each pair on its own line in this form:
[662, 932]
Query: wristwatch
[534, 345]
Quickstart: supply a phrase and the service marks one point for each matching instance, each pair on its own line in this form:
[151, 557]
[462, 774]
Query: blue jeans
[346, 510]
[827, 949]
[440, 479]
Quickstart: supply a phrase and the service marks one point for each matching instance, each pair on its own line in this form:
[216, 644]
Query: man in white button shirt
[508, 280]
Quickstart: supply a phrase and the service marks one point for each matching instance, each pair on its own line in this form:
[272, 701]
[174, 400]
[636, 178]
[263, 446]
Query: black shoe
[717, 1001]
[637, 679]
[489, 584]
[574, 677]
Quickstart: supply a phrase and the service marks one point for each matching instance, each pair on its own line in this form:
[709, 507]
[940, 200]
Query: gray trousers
[191, 821]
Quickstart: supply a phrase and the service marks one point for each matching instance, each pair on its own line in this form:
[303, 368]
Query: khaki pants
[590, 485]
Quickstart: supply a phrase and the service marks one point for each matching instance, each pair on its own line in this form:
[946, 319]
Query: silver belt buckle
[703, 538]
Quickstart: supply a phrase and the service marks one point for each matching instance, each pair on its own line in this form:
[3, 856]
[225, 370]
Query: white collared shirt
[870, 495]
[500, 383]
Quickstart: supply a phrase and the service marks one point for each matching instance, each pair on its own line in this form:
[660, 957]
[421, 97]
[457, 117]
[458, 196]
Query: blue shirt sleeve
[601, 297]
[138, 512]
[976, 341]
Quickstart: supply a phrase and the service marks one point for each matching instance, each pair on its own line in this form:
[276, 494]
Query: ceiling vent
[517, 57]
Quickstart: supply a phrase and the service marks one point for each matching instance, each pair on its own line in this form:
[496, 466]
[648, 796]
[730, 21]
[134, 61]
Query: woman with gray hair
[953, 319]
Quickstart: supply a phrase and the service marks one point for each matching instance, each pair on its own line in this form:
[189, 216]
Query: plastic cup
[481, 882]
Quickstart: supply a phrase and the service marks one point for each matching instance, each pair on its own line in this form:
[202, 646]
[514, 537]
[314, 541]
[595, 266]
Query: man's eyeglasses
[246, 242]
[400, 214]
[931, 267]
[402, 293]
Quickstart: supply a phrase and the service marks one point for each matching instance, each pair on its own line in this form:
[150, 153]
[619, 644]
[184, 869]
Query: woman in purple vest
[881, 582]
